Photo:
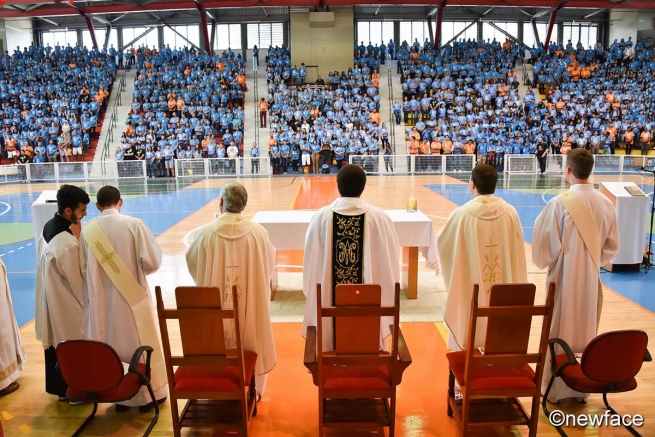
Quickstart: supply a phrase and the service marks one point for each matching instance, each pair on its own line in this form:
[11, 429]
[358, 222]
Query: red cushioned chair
[94, 373]
[608, 364]
[218, 383]
[356, 381]
[493, 379]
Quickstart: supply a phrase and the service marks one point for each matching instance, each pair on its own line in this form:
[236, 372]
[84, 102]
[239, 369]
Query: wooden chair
[356, 381]
[493, 379]
[218, 383]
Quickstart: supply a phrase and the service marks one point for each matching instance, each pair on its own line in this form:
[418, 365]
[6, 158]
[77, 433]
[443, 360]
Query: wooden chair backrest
[509, 335]
[509, 315]
[356, 313]
[200, 316]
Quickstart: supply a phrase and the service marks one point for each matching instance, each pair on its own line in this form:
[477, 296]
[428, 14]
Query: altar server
[373, 243]
[234, 250]
[116, 254]
[574, 236]
[61, 305]
[12, 354]
[481, 243]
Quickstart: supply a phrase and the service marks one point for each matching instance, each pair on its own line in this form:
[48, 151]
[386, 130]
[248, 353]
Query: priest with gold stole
[574, 236]
[349, 242]
[232, 251]
[481, 243]
[116, 254]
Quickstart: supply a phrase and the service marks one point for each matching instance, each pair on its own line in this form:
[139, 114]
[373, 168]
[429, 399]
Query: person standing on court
[116, 254]
[574, 236]
[369, 233]
[61, 304]
[481, 243]
[12, 354]
[231, 251]
[541, 153]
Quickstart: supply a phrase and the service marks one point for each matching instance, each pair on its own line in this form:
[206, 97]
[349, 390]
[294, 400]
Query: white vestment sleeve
[547, 236]
[68, 264]
[149, 250]
[610, 245]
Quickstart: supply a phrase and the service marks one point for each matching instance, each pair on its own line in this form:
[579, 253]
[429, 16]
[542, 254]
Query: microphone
[649, 171]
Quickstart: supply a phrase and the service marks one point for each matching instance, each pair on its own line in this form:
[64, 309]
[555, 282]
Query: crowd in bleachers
[316, 127]
[464, 99]
[598, 98]
[185, 105]
[52, 102]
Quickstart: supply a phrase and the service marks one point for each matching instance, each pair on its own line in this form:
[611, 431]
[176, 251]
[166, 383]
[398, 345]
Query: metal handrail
[392, 122]
[255, 90]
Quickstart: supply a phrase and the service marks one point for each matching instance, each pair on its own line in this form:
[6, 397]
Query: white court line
[11, 251]
[544, 193]
[6, 210]
[20, 248]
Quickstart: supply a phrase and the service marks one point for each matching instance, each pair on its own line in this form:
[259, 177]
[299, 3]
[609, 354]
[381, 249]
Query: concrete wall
[18, 33]
[331, 48]
[625, 24]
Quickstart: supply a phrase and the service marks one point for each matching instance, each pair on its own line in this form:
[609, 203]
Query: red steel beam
[63, 10]
[203, 23]
[91, 31]
[437, 31]
[551, 22]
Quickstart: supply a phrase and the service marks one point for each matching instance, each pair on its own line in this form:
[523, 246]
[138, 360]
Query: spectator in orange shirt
[263, 109]
[629, 141]
[644, 139]
[375, 117]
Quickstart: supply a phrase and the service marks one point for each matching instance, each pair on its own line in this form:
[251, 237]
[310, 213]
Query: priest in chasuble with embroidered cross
[234, 250]
[349, 242]
[116, 254]
[574, 236]
[481, 243]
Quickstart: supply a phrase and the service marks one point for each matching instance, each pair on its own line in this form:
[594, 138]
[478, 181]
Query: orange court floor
[289, 406]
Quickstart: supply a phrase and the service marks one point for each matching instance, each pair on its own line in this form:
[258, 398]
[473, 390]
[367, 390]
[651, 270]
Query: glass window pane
[277, 34]
[252, 33]
[406, 32]
[265, 35]
[363, 33]
[375, 36]
[387, 31]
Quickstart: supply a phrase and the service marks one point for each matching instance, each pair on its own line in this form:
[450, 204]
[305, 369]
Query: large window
[489, 33]
[586, 33]
[227, 36]
[414, 30]
[100, 38]
[528, 34]
[449, 29]
[374, 32]
[151, 39]
[264, 35]
[62, 39]
[192, 33]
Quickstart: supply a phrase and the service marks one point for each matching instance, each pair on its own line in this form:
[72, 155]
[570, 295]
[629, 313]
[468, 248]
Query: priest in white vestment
[234, 250]
[12, 354]
[111, 318]
[61, 304]
[371, 238]
[558, 245]
[481, 243]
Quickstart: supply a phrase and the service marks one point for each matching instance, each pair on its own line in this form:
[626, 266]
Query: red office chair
[94, 373]
[608, 364]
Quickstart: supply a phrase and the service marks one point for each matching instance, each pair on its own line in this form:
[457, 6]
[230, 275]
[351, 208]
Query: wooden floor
[289, 406]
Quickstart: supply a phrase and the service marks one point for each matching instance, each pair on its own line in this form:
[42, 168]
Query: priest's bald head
[234, 198]
[351, 180]
[483, 180]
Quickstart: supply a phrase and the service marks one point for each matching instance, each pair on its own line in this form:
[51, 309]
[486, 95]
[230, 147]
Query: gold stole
[132, 292]
[586, 226]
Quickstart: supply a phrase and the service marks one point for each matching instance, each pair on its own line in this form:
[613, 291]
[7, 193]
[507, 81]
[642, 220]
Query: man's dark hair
[70, 196]
[485, 178]
[351, 180]
[108, 196]
[581, 163]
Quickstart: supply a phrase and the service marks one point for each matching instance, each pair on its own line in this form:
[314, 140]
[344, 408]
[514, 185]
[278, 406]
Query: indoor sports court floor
[174, 209]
